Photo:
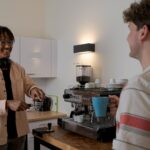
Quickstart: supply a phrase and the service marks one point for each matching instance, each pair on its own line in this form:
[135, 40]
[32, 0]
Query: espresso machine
[83, 120]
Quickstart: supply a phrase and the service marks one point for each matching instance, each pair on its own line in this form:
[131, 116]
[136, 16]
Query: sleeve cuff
[117, 145]
[3, 107]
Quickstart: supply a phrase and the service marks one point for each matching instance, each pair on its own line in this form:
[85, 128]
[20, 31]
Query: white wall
[23, 17]
[73, 22]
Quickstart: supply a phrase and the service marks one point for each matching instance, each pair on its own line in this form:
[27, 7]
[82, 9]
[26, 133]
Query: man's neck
[145, 58]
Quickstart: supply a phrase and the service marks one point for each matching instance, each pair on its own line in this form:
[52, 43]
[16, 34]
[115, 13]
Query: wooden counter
[33, 116]
[37, 119]
[66, 140]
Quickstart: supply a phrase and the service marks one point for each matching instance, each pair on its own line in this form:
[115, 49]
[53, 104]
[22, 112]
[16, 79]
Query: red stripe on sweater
[135, 122]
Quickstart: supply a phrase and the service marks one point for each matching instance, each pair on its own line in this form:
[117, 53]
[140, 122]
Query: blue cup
[100, 105]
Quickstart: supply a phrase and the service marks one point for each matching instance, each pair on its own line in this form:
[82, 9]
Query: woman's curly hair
[5, 31]
[138, 13]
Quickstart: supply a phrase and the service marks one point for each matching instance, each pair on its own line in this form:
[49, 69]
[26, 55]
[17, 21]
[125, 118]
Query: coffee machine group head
[83, 74]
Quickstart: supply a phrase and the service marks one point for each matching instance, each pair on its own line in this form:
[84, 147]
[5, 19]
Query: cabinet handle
[30, 73]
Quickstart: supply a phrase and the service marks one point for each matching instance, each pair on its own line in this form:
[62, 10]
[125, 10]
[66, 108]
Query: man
[133, 113]
[14, 84]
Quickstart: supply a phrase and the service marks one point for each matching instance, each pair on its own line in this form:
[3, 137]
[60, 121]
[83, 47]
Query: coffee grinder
[83, 74]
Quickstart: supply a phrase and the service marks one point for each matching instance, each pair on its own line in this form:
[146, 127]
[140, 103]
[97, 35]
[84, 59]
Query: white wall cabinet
[37, 56]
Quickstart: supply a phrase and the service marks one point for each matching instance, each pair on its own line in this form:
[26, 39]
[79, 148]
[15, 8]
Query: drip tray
[103, 131]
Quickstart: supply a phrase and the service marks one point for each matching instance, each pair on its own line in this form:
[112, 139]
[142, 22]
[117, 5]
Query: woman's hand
[16, 105]
[114, 101]
[37, 93]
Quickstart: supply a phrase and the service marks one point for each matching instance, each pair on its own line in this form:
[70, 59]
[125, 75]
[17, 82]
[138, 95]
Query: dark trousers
[14, 144]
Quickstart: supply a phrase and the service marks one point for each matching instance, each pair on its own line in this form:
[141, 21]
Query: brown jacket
[21, 85]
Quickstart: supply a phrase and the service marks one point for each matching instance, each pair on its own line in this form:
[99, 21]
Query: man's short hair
[138, 13]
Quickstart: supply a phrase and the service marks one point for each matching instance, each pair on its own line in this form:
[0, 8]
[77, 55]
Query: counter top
[67, 140]
[45, 115]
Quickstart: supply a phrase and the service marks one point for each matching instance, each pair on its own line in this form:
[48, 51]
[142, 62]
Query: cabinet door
[15, 54]
[38, 57]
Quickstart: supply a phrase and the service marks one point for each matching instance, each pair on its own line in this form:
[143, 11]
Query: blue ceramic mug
[100, 105]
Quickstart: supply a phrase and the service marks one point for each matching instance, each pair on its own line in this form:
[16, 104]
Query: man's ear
[143, 34]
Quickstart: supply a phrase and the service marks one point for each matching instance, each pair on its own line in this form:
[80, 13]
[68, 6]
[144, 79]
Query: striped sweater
[133, 115]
